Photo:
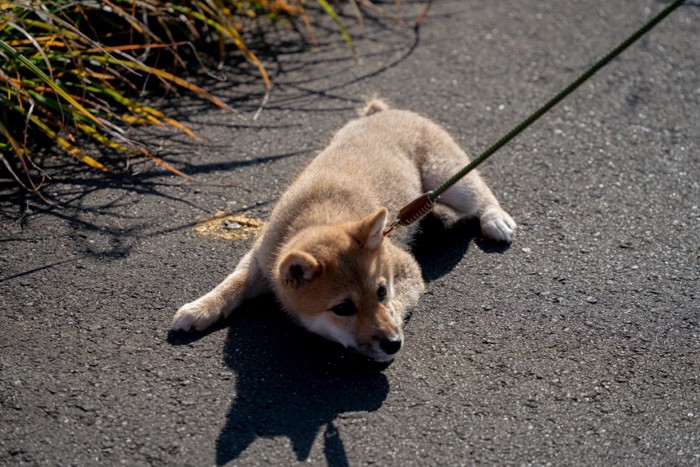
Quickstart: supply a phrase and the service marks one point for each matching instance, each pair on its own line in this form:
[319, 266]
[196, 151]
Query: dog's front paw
[496, 224]
[196, 316]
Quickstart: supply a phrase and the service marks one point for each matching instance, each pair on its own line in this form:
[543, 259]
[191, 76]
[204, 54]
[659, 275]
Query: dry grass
[73, 71]
[228, 226]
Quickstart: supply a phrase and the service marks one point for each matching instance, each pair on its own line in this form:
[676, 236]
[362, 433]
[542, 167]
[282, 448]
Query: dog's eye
[346, 308]
[381, 293]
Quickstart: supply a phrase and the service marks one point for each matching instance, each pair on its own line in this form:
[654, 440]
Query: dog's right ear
[298, 268]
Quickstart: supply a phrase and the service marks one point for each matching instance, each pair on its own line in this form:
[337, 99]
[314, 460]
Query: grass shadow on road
[291, 383]
[107, 207]
[311, 82]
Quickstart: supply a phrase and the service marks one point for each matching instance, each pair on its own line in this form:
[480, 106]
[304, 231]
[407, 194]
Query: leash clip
[413, 211]
[391, 227]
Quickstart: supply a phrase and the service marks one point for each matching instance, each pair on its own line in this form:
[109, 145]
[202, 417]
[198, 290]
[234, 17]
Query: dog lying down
[323, 252]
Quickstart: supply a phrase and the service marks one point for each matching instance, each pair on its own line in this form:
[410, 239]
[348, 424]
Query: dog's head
[337, 280]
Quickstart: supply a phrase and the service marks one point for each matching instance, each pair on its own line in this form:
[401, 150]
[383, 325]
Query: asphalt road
[577, 345]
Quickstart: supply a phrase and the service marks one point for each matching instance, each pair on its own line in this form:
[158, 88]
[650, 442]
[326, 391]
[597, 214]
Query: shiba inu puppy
[323, 252]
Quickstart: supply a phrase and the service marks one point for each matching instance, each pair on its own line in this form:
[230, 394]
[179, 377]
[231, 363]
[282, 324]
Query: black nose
[390, 346]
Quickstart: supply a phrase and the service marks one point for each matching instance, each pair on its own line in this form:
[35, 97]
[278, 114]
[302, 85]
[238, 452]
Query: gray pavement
[578, 345]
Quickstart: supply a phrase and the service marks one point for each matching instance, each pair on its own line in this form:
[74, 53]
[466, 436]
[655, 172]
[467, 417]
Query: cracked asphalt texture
[576, 345]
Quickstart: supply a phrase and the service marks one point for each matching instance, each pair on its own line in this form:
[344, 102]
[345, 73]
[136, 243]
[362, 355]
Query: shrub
[71, 70]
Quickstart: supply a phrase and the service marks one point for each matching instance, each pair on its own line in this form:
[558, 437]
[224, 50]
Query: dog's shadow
[293, 384]
[444, 240]
[290, 383]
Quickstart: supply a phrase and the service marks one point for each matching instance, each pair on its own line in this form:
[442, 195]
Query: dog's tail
[374, 105]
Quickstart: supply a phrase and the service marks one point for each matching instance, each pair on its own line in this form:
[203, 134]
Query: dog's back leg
[470, 196]
[244, 283]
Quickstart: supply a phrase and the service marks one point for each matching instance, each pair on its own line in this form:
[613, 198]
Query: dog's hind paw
[195, 316]
[496, 224]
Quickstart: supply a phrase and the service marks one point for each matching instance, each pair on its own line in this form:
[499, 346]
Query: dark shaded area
[291, 383]
[443, 241]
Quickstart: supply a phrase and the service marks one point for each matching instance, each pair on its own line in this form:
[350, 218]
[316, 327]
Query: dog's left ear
[370, 231]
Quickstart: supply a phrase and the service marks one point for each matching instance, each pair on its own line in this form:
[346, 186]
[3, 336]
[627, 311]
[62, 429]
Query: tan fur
[323, 244]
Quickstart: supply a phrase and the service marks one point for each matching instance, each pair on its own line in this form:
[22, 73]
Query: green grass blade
[331, 12]
[51, 83]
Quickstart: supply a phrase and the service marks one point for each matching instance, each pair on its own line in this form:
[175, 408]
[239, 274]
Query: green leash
[422, 205]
